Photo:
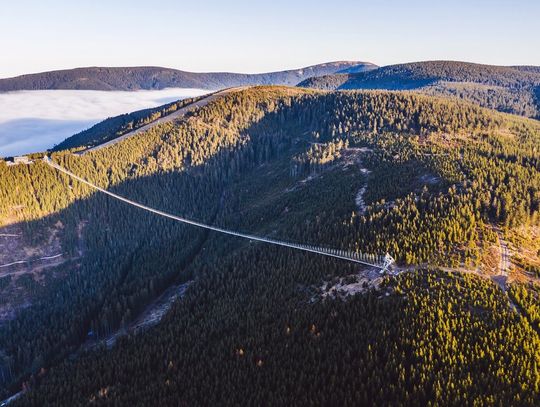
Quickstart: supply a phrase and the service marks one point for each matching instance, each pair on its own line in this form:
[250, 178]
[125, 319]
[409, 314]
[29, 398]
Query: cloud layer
[36, 120]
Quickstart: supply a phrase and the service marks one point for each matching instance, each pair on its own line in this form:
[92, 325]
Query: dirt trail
[504, 263]
[501, 279]
[10, 399]
[169, 118]
[151, 316]
[29, 261]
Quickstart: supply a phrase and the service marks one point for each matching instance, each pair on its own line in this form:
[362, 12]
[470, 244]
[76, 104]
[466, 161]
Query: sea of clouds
[32, 121]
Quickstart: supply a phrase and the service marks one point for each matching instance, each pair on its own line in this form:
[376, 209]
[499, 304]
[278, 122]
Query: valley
[34, 121]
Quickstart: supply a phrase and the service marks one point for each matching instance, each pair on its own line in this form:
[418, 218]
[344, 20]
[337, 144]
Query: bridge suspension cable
[381, 262]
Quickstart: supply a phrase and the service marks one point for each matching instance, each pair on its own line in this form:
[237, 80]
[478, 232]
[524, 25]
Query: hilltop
[441, 184]
[138, 78]
[508, 89]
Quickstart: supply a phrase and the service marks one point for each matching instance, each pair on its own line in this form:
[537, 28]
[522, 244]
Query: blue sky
[253, 36]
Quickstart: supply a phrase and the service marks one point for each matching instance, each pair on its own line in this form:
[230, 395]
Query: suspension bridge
[382, 262]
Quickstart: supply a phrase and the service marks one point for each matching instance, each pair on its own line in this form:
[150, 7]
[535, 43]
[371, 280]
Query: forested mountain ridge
[509, 89]
[138, 78]
[435, 176]
[115, 129]
[527, 68]
[117, 126]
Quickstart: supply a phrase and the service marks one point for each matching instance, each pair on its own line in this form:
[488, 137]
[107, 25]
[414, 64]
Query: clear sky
[257, 36]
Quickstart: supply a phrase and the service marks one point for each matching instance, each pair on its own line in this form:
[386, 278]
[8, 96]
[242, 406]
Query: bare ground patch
[24, 266]
[153, 313]
[350, 285]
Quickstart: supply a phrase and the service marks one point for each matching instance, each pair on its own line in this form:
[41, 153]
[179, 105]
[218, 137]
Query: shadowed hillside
[426, 179]
[507, 89]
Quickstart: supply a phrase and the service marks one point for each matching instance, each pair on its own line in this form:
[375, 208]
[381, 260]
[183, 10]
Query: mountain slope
[527, 68]
[137, 78]
[509, 89]
[115, 127]
[432, 175]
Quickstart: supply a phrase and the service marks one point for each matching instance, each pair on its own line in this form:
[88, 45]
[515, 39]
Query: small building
[21, 159]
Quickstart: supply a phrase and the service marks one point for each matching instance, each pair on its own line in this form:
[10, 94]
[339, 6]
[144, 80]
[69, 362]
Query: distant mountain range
[513, 89]
[139, 78]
